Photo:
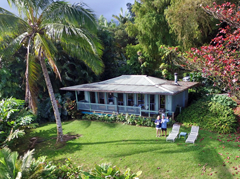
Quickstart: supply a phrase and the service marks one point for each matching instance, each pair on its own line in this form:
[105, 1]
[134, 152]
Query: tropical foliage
[46, 26]
[9, 85]
[150, 26]
[71, 171]
[14, 118]
[126, 119]
[214, 113]
[219, 61]
[25, 167]
[190, 23]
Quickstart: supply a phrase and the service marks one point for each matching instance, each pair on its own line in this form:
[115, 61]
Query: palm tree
[122, 18]
[42, 26]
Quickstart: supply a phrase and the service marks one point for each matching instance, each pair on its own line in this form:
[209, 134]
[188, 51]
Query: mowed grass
[212, 156]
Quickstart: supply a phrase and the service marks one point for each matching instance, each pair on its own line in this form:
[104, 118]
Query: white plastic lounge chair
[193, 134]
[174, 133]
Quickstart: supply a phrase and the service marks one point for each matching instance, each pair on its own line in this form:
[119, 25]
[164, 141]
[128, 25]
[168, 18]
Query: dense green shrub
[10, 83]
[224, 100]
[71, 107]
[71, 171]
[45, 110]
[14, 118]
[24, 167]
[210, 114]
[126, 119]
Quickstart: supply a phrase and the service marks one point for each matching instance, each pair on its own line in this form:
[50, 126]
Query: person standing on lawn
[164, 122]
[158, 126]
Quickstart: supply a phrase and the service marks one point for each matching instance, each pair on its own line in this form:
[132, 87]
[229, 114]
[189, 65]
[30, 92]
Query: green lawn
[139, 149]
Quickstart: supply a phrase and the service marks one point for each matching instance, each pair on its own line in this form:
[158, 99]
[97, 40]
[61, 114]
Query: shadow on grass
[210, 163]
[108, 124]
[73, 146]
[85, 123]
[50, 123]
[208, 157]
[210, 160]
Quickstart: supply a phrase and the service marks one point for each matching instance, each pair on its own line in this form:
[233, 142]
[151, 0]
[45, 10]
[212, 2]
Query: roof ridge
[150, 80]
[163, 88]
[158, 85]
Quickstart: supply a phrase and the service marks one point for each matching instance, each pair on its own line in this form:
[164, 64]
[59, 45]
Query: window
[92, 97]
[110, 98]
[120, 99]
[130, 99]
[140, 101]
[162, 101]
[101, 98]
[152, 102]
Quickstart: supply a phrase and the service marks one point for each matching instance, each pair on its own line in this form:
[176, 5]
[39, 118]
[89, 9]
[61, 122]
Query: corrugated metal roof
[134, 84]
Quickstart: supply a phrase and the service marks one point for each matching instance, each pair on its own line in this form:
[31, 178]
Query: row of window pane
[111, 99]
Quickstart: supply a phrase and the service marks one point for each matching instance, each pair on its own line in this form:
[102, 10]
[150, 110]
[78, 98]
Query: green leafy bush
[24, 167]
[126, 119]
[71, 107]
[45, 110]
[9, 84]
[71, 171]
[224, 100]
[14, 118]
[108, 171]
[209, 115]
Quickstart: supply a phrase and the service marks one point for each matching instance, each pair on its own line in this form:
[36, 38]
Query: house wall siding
[179, 99]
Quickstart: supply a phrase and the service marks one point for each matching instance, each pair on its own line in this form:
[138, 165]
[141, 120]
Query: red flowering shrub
[220, 61]
[71, 108]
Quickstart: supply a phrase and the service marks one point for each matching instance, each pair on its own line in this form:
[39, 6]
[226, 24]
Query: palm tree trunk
[27, 91]
[53, 100]
[28, 96]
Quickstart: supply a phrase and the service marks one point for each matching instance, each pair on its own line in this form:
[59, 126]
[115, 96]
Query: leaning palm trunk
[53, 100]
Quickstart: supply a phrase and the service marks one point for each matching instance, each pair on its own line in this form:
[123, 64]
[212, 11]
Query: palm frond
[90, 59]
[4, 11]
[74, 15]
[13, 31]
[34, 77]
[48, 48]
[8, 163]
[14, 134]
[8, 45]
[70, 34]
[24, 5]
[10, 23]
[117, 18]
[27, 160]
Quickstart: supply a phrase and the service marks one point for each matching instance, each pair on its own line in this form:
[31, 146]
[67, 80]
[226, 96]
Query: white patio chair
[192, 136]
[174, 133]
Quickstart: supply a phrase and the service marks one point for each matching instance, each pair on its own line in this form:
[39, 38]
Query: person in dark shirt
[158, 126]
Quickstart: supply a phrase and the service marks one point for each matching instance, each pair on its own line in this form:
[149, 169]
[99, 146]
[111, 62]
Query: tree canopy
[220, 60]
[150, 26]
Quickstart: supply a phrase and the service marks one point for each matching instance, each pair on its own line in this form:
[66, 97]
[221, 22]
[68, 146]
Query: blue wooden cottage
[133, 94]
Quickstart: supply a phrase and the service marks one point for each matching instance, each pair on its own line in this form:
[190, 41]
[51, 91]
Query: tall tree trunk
[53, 100]
[27, 91]
[28, 95]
